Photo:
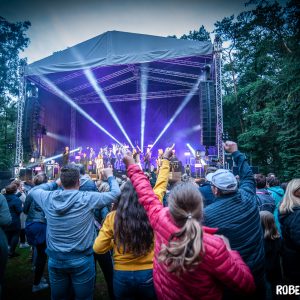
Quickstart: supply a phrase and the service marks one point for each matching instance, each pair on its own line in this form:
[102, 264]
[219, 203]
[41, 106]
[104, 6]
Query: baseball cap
[223, 179]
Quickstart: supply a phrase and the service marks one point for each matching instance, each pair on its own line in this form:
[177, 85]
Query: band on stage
[112, 156]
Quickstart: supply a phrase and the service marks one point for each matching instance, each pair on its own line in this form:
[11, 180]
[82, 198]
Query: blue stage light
[185, 101]
[144, 87]
[91, 78]
[67, 99]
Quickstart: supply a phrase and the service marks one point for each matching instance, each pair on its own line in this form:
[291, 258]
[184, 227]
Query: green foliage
[12, 41]
[261, 81]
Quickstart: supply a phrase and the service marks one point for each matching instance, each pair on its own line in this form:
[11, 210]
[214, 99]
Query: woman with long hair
[272, 245]
[128, 232]
[289, 217]
[190, 262]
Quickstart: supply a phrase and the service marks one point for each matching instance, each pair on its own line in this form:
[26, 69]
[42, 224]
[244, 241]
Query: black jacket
[290, 228]
[237, 217]
[15, 208]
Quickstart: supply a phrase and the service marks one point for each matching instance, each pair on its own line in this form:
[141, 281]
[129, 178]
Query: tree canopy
[13, 39]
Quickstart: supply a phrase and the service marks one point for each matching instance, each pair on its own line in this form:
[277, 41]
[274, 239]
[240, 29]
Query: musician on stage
[92, 154]
[84, 161]
[99, 165]
[65, 157]
[147, 160]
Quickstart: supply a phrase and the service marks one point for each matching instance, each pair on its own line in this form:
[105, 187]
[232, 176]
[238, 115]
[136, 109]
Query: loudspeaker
[31, 126]
[208, 112]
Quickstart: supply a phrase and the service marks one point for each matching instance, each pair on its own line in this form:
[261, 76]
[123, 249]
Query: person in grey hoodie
[5, 219]
[71, 231]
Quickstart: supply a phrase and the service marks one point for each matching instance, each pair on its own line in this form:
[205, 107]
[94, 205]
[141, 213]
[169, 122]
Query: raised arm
[146, 196]
[160, 187]
[40, 192]
[99, 200]
[247, 182]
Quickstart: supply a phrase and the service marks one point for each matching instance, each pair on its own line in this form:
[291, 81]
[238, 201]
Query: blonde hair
[290, 200]
[185, 247]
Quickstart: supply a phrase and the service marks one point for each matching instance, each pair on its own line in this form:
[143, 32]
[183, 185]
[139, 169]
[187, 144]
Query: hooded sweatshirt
[69, 213]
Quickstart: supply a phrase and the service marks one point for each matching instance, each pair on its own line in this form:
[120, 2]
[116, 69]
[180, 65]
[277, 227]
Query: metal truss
[137, 96]
[21, 102]
[73, 129]
[219, 103]
[100, 80]
[173, 73]
[171, 81]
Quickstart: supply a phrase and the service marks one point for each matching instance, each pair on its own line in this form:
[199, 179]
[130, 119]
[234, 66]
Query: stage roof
[115, 59]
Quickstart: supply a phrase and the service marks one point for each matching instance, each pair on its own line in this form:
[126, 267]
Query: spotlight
[59, 155]
[185, 101]
[91, 78]
[67, 99]
[144, 86]
[191, 149]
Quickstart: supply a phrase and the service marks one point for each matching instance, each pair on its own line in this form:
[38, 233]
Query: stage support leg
[21, 101]
[218, 73]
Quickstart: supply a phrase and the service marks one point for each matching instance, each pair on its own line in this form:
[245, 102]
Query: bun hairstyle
[185, 247]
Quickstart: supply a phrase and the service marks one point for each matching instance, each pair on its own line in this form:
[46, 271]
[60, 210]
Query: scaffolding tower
[219, 103]
[21, 102]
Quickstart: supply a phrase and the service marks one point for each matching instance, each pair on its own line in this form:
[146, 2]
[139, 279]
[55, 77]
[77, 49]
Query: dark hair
[69, 176]
[273, 181]
[268, 225]
[17, 182]
[81, 169]
[284, 185]
[40, 178]
[132, 230]
[185, 247]
[260, 180]
[11, 189]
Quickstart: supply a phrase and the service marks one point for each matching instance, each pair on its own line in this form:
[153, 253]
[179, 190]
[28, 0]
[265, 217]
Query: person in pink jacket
[190, 262]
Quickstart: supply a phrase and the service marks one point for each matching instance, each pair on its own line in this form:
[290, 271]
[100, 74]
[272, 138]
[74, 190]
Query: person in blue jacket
[71, 232]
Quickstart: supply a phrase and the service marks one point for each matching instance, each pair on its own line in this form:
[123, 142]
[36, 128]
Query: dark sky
[60, 24]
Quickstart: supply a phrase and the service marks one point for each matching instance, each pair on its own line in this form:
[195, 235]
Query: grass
[19, 278]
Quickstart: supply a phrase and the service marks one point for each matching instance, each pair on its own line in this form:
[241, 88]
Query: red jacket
[218, 268]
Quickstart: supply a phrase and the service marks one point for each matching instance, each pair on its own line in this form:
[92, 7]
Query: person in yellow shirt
[128, 232]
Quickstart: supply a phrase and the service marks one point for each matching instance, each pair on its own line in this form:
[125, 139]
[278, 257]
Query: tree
[201, 35]
[12, 40]
[261, 83]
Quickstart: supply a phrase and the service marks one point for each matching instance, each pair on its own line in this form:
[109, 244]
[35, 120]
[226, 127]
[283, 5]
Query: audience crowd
[229, 237]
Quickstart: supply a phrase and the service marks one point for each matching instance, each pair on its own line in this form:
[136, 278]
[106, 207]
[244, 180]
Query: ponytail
[184, 249]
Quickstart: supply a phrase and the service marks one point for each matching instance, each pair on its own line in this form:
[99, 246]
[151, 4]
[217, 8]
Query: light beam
[144, 87]
[185, 101]
[91, 78]
[67, 99]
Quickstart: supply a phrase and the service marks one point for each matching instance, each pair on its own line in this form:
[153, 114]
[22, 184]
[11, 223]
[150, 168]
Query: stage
[125, 89]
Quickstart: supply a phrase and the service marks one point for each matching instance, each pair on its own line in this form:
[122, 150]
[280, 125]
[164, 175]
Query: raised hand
[107, 172]
[230, 146]
[128, 159]
[168, 152]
